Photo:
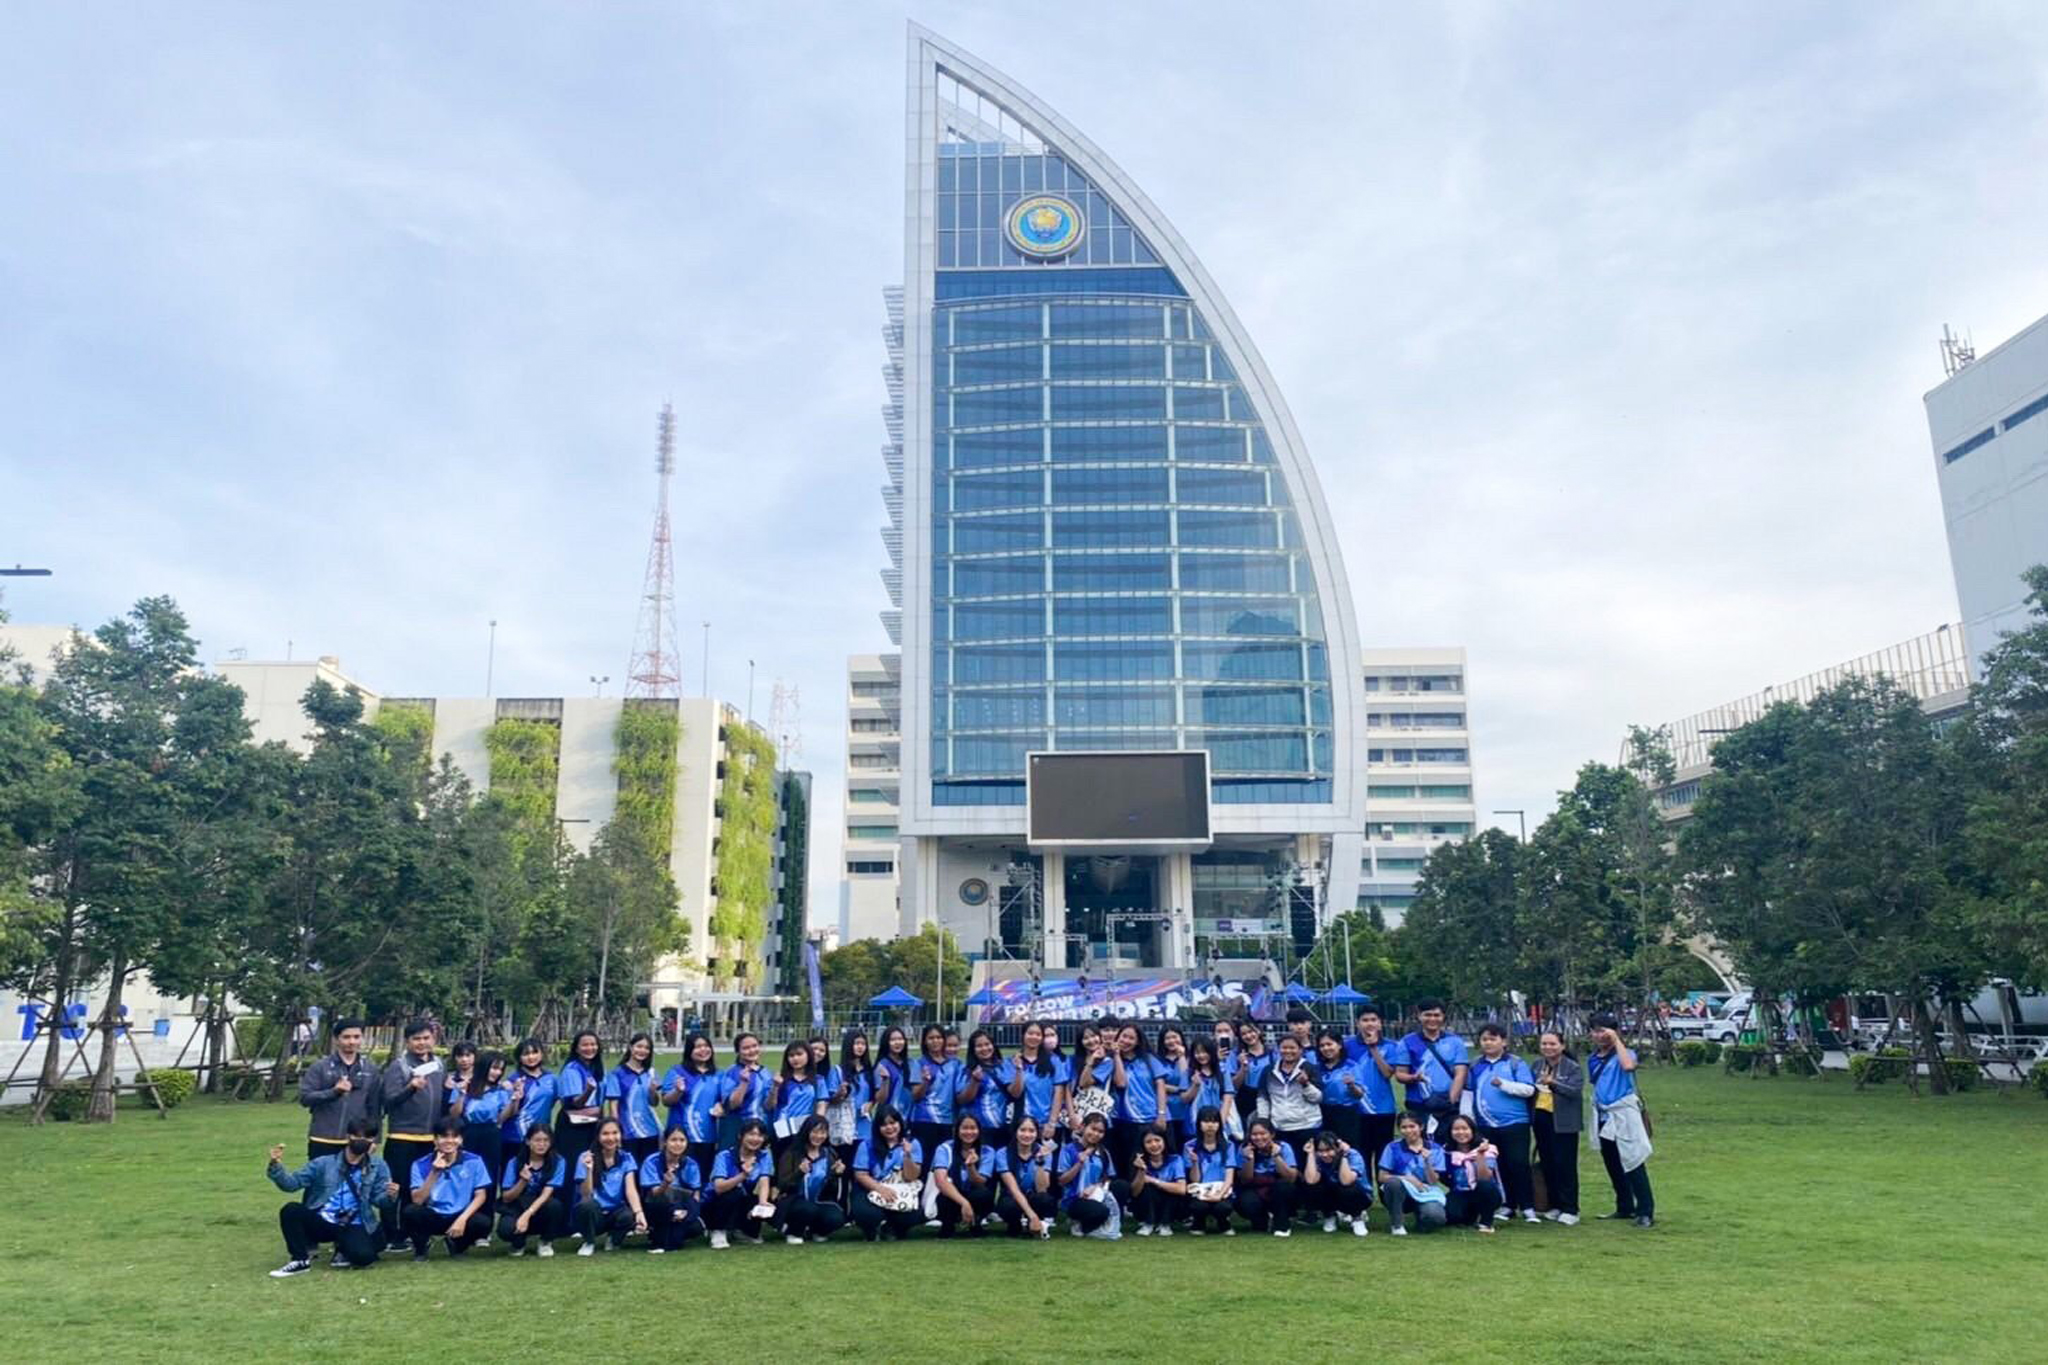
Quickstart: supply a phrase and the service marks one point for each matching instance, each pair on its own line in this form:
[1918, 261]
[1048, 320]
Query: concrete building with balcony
[1418, 767]
[870, 842]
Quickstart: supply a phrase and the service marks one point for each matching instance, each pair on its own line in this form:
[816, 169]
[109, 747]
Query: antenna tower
[654, 669]
[1956, 352]
[786, 725]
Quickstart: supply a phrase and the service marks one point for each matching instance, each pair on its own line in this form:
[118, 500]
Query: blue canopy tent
[895, 998]
[1299, 993]
[1344, 995]
[984, 996]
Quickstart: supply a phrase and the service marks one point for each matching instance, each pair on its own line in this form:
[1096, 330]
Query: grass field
[1798, 1221]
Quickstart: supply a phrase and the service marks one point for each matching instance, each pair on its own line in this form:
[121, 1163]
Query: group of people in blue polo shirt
[1101, 1125]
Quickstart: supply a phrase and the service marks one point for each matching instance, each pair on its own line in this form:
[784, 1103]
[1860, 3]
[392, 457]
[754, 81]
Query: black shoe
[1618, 1214]
[419, 1257]
[1644, 1220]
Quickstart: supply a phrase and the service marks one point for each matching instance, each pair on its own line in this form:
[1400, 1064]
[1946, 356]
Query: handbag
[896, 1196]
[1206, 1190]
[1093, 1100]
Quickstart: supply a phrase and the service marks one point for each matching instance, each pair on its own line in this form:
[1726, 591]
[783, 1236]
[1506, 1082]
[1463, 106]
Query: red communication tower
[654, 670]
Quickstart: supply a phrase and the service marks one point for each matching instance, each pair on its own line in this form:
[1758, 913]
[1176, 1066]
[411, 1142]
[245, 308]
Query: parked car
[1724, 1025]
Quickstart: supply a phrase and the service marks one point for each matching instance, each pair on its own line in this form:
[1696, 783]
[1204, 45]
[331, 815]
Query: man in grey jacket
[415, 1091]
[339, 1089]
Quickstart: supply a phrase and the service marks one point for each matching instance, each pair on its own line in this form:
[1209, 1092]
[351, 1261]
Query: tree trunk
[66, 968]
[1959, 1029]
[1930, 1047]
[100, 1109]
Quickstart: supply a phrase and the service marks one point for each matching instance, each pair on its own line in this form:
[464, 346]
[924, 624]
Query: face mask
[360, 1146]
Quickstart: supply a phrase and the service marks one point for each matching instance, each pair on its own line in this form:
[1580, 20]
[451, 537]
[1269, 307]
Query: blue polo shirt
[1138, 1102]
[1098, 1169]
[1497, 1108]
[991, 1103]
[941, 1081]
[1170, 1167]
[1461, 1173]
[553, 1171]
[899, 1086]
[793, 1099]
[609, 1192]
[727, 1165]
[885, 1163]
[816, 1173]
[1353, 1158]
[687, 1174]
[956, 1171]
[1379, 1090]
[487, 1109]
[1612, 1082]
[1206, 1167]
[574, 1080]
[1251, 1071]
[1336, 1081]
[1268, 1163]
[536, 1102]
[700, 1093]
[457, 1185]
[860, 1093]
[1039, 1089]
[633, 1091]
[1432, 1070]
[1176, 1077]
[1025, 1168]
[760, 1090]
[1396, 1159]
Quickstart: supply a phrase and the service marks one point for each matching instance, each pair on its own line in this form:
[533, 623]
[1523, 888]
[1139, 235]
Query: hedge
[68, 1101]
[1698, 1052]
[1748, 1057]
[173, 1086]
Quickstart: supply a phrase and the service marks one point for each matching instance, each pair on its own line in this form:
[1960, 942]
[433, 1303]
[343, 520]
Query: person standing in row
[892, 1072]
[415, 1095]
[1253, 1060]
[745, 1091]
[690, 1090]
[1173, 1062]
[1624, 1133]
[1209, 1087]
[1375, 1060]
[533, 1193]
[580, 1090]
[1559, 1115]
[986, 1082]
[1437, 1071]
[1137, 1081]
[344, 1198]
[450, 1188]
[338, 1090]
[1041, 1078]
[1502, 1086]
[794, 1098]
[629, 1098]
[1337, 1077]
[480, 1101]
[531, 1104]
[934, 1083]
[1291, 1099]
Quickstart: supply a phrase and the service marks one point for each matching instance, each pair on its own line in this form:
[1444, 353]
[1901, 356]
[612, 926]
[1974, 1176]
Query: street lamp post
[1521, 822]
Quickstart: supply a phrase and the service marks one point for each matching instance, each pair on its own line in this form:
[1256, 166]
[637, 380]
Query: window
[1113, 485]
[998, 710]
[864, 867]
[1956, 453]
[1249, 530]
[1111, 616]
[998, 577]
[1198, 404]
[871, 761]
[998, 663]
[2031, 410]
[1217, 662]
[874, 725]
[1075, 445]
[1097, 530]
[1245, 705]
[980, 449]
[863, 688]
[1017, 531]
[1109, 362]
[989, 407]
[1108, 320]
[998, 620]
[1111, 573]
[1118, 661]
[871, 831]
[1227, 616]
[1233, 573]
[1122, 707]
[872, 796]
[978, 492]
[1096, 402]
[1209, 445]
[1245, 486]
[1004, 365]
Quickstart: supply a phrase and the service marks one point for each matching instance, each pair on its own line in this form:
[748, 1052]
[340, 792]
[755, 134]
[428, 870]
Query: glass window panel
[1190, 362]
[998, 664]
[1110, 573]
[979, 449]
[1017, 488]
[998, 620]
[1123, 402]
[1086, 530]
[1113, 706]
[1114, 661]
[1199, 405]
[949, 249]
[1253, 753]
[1034, 173]
[1004, 365]
[1250, 530]
[1222, 616]
[1072, 617]
[987, 407]
[993, 754]
[979, 535]
[949, 174]
[1211, 445]
[1016, 322]
[996, 577]
[1234, 573]
[1082, 740]
[1108, 362]
[998, 710]
[1209, 661]
[1246, 486]
[1245, 705]
[1013, 175]
[1115, 484]
[1107, 320]
[1262, 449]
[1077, 444]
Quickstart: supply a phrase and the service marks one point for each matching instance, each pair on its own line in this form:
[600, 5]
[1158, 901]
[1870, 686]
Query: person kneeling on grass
[742, 1187]
[533, 1198]
[1027, 1203]
[1159, 1182]
[669, 1186]
[888, 1168]
[1266, 1175]
[449, 1190]
[344, 1198]
[1411, 1174]
[802, 1178]
[1335, 1184]
[1476, 1193]
[607, 1191]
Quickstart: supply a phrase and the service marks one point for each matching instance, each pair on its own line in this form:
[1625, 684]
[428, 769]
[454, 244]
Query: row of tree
[141, 831]
[1848, 845]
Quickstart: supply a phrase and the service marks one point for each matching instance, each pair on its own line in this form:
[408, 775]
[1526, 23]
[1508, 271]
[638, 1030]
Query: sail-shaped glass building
[1105, 536]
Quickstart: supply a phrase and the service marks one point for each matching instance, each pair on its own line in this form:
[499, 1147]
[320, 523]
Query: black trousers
[304, 1230]
[1513, 1142]
[1267, 1206]
[487, 1140]
[1334, 1200]
[549, 1222]
[704, 1153]
[671, 1220]
[811, 1219]
[1375, 1131]
[315, 1149]
[593, 1220]
[1559, 1153]
[929, 1136]
[1123, 1145]
[1632, 1198]
[1044, 1203]
[572, 1140]
[641, 1148]
[399, 1155]
[1342, 1119]
[1154, 1205]
[1087, 1214]
[732, 1212]
[1472, 1206]
[873, 1220]
[980, 1198]
[1209, 1212]
[423, 1224]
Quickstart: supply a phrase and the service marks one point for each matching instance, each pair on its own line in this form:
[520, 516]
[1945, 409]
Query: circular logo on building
[1046, 225]
[973, 891]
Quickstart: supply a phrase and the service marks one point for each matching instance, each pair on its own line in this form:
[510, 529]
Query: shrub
[173, 1087]
[1713, 1052]
[2038, 1078]
[1875, 1068]
[1693, 1052]
[1962, 1075]
[68, 1101]
[1749, 1057]
[1801, 1064]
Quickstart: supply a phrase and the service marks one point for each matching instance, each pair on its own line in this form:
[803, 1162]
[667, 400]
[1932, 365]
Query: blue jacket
[320, 1177]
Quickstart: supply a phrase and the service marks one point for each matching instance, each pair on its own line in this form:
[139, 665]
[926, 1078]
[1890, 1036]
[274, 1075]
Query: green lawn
[1798, 1221]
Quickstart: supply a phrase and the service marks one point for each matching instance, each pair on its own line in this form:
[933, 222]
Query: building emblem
[1045, 225]
[973, 891]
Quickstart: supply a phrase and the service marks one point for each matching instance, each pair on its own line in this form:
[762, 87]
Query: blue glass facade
[1116, 561]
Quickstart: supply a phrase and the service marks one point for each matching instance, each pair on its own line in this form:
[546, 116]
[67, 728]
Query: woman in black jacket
[1558, 1115]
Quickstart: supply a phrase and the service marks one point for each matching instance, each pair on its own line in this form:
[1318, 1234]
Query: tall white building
[874, 718]
[1418, 767]
[1989, 422]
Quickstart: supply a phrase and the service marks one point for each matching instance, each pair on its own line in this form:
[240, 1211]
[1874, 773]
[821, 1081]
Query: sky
[1606, 325]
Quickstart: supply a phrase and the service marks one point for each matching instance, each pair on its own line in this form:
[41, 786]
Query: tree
[623, 895]
[39, 794]
[855, 973]
[2003, 751]
[1464, 919]
[915, 964]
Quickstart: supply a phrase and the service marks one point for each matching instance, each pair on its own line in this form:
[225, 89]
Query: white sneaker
[483, 1244]
[587, 1249]
[1165, 1230]
[1075, 1228]
[794, 1240]
[1400, 1229]
[1230, 1232]
[1144, 1229]
[547, 1249]
[1329, 1225]
[1194, 1232]
[1530, 1216]
[291, 1268]
[514, 1253]
[656, 1251]
[1568, 1219]
[1283, 1231]
[719, 1241]
[1550, 1215]
[1358, 1227]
